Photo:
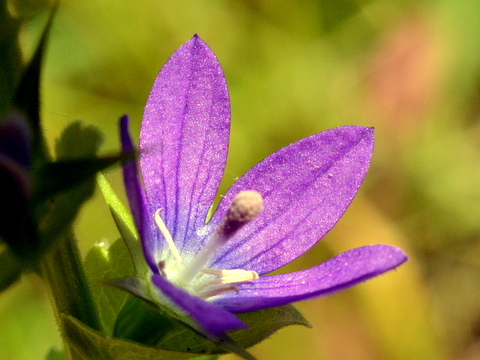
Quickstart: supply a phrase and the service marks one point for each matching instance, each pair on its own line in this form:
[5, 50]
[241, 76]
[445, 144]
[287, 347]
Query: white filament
[167, 236]
[224, 289]
[244, 208]
[229, 276]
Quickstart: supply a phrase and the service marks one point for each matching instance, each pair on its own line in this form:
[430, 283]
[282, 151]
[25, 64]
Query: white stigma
[244, 208]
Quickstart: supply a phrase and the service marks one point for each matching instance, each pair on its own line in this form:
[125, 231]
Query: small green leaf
[55, 354]
[125, 225]
[103, 265]
[88, 344]
[78, 141]
[62, 210]
[55, 177]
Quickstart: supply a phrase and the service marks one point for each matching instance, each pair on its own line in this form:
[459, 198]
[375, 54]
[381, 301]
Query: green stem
[62, 271]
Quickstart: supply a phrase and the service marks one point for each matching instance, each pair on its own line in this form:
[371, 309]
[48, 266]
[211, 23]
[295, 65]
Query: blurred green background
[411, 69]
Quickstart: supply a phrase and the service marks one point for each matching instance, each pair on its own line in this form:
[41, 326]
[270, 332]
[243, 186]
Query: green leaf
[103, 265]
[88, 344]
[61, 211]
[27, 94]
[145, 322]
[148, 324]
[78, 141]
[27, 97]
[55, 354]
[262, 324]
[55, 177]
[125, 225]
[140, 322]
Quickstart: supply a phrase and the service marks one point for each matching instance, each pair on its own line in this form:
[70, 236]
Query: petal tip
[124, 121]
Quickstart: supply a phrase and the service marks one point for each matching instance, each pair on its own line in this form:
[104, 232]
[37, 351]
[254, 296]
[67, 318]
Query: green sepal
[103, 265]
[150, 324]
[262, 324]
[88, 344]
[141, 322]
[125, 224]
[149, 328]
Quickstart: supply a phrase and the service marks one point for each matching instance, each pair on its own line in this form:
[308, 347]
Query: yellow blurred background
[411, 69]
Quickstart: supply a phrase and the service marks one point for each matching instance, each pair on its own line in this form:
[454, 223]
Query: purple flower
[15, 180]
[274, 213]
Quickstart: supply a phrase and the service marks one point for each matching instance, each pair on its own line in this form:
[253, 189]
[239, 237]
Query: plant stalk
[62, 270]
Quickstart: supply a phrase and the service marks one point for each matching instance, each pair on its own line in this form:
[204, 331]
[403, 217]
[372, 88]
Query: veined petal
[184, 139]
[212, 319]
[306, 187]
[136, 197]
[341, 272]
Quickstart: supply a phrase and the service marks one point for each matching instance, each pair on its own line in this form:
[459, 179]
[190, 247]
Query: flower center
[244, 208]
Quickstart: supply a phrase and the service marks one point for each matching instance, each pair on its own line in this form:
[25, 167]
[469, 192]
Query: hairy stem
[62, 271]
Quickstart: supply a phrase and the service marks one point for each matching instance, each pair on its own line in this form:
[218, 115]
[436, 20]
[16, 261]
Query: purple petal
[339, 273]
[16, 138]
[212, 319]
[184, 139]
[306, 187]
[136, 197]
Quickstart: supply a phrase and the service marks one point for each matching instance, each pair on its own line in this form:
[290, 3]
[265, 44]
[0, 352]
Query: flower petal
[334, 275]
[211, 318]
[136, 197]
[306, 187]
[184, 139]
[16, 138]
